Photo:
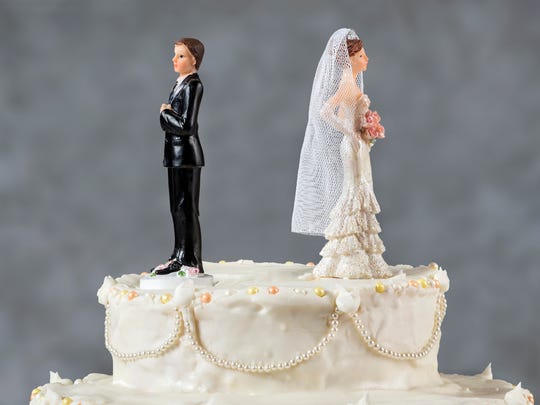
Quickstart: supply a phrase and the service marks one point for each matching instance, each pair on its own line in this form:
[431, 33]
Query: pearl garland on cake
[172, 340]
[371, 342]
[259, 366]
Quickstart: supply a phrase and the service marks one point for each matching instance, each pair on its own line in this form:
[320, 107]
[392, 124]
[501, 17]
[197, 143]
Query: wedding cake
[274, 333]
[348, 330]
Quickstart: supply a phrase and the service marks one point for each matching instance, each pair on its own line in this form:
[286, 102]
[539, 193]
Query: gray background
[83, 193]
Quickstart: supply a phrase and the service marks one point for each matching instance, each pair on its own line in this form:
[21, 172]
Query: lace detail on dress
[320, 175]
[354, 248]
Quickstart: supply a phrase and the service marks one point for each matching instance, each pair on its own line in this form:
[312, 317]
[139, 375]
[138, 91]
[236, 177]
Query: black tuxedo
[182, 145]
[183, 156]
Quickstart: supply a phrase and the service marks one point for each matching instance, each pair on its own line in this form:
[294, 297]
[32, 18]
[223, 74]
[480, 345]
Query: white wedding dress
[334, 190]
[354, 248]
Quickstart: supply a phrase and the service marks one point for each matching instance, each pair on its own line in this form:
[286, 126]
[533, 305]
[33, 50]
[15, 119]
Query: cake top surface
[247, 273]
[291, 280]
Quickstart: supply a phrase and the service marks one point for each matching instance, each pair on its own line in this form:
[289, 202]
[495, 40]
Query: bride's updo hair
[354, 46]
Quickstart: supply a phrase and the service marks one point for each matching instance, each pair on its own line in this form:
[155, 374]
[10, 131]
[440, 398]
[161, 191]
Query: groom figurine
[183, 158]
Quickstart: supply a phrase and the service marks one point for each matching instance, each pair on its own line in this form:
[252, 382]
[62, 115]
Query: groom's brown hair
[194, 46]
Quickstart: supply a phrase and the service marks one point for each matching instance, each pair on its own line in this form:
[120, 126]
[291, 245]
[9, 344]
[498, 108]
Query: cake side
[98, 389]
[265, 327]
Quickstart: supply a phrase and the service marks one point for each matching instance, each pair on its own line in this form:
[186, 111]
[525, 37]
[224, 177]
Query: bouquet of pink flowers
[372, 127]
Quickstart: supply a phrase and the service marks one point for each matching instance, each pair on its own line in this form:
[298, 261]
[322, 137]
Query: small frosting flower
[347, 301]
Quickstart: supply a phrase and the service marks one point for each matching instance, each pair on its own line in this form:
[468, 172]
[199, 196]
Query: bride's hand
[362, 101]
[362, 136]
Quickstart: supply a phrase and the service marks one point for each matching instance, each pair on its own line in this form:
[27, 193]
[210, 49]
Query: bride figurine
[334, 191]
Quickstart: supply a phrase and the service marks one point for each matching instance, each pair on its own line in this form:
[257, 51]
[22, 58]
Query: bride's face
[359, 61]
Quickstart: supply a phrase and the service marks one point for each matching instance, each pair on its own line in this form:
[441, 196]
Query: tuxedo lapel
[175, 91]
[179, 87]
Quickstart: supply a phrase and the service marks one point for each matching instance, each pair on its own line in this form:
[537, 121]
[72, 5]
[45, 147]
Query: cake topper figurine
[334, 191]
[183, 158]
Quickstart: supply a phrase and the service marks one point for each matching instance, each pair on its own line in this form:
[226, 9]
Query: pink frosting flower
[192, 271]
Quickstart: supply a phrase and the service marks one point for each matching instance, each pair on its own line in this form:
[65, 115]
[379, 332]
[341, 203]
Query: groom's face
[183, 61]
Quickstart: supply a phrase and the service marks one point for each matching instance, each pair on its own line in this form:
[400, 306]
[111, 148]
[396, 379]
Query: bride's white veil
[320, 171]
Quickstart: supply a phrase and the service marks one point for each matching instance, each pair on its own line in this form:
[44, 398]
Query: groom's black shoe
[172, 266]
[164, 266]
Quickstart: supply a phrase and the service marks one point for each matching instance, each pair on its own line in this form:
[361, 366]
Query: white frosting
[54, 378]
[244, 320]
[98, 389]
[518, 396]
[486, 374]
[244, 323]
[347, 301]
